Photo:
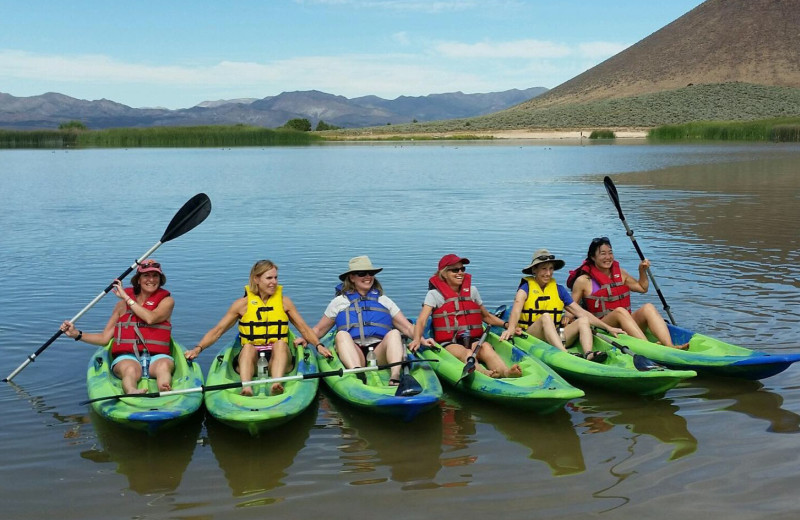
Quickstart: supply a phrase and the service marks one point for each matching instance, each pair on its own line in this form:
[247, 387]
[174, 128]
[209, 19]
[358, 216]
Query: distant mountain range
[49, 110]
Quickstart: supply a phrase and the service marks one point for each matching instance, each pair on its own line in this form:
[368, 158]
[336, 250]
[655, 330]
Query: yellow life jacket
[263, 323]
[541, 301]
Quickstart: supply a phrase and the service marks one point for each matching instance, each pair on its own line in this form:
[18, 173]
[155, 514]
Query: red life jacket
[458, 315]
[611, 294]
[132, 331]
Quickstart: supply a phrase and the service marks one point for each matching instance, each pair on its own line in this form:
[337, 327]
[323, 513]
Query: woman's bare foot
[514, 371]
[165, 386]
[277, 389]
[685, 346]
[248, 391]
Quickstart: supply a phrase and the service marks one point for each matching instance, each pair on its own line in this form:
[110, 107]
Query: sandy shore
[559, 134]
[628, 133]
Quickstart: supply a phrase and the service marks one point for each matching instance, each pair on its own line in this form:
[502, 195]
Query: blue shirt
[563, 292]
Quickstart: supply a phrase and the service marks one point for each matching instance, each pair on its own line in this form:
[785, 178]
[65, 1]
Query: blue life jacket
[365, 317]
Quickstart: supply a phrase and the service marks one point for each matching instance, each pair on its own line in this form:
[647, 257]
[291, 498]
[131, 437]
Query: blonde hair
[259, 268]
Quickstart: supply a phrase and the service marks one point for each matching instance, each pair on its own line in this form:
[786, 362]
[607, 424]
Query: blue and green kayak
[149, 414]
[539, 388]
[261, 411]
[373, 392]
[617, 372]
[709, 356]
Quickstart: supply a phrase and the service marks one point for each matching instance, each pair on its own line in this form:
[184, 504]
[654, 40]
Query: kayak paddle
[469, 366]
[641, 363]
[187, 218]
[225, 386]
[612, 193]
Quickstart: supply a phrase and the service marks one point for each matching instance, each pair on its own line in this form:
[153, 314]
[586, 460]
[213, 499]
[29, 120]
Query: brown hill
[719, 41]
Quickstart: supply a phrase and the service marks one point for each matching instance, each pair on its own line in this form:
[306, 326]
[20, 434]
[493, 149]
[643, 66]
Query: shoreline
[549, 135]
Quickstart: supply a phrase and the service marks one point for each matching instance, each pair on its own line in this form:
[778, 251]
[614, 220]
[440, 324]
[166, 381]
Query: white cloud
[402, 38]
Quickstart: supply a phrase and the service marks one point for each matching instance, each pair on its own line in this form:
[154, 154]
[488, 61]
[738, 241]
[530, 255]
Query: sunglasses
[461, 269]
[601, 240]
[150, 264]
[544, 258]
[362, 274]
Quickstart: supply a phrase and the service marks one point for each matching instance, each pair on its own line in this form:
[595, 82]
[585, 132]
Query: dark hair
[594, 245]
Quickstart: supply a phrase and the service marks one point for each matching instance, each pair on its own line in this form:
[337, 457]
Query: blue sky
[178, 53]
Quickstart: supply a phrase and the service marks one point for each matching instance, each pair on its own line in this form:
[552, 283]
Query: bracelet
[319, 345]
[130, 302]
[505, 324]
[198, 346]
[79, 336]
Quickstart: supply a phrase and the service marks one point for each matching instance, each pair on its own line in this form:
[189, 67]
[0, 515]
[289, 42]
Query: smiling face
[603, 257]
[267, 283]
[362, 281]
[543, 273]
[454, 274]
[149, 282]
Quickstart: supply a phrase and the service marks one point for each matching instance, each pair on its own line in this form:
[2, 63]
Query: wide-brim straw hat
[360, 263]
[541, 256]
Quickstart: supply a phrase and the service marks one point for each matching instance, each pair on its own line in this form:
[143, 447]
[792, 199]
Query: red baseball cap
[451, 259]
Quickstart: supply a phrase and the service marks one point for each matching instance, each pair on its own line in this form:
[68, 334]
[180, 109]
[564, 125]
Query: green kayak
[539, 388]
[261, 411]
[709, 356]
[373, 391]
[617, 372]
[149, 414]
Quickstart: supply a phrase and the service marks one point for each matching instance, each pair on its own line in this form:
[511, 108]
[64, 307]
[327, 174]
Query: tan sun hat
[360, 263]
[541, 256]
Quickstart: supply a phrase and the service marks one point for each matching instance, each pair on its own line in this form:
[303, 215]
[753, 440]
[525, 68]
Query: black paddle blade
[188, 217]
[469, 368]
[408, 386]
[613, 195]
[641, 363]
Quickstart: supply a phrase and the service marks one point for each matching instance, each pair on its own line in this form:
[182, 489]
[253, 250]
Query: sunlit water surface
[719, 223]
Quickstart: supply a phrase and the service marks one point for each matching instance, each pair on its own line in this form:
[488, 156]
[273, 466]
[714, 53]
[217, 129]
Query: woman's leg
[246, 366]
[648, 317]
[620, 317]
[544, 329]
[279, 364]
[391, 350]
[349, 353]
[130, 372]
[162, 370]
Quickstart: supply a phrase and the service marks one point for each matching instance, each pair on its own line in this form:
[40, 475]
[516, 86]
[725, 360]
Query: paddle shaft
[469, 366]
[614, 196]
[188, 217]
[241, 384]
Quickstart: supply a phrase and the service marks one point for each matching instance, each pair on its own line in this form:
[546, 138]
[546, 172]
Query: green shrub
[602, 134]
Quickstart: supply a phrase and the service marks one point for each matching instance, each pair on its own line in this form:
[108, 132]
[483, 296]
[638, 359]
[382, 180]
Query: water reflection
[752, 399]
[411, 451]
[552, 440]
[152, 464]
[656, 418]
[255, 465]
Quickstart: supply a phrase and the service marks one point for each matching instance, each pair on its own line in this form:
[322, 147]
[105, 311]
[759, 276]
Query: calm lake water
[719, 223]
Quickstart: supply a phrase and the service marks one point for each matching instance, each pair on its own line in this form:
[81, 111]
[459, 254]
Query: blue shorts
[133, 358]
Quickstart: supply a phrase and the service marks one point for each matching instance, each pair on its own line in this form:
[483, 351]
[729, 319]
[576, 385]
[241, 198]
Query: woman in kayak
[140, 328]
[458, 317]
[603, 288]
[539, 307]
[368, 323]
[263, 314]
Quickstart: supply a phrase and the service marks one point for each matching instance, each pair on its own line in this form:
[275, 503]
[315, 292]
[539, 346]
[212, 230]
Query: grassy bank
[776, 130]
[192, 136]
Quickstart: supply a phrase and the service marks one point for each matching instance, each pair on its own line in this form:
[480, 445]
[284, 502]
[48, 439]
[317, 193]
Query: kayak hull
[373, 392]
[617, 373]
[710, 356]
[539, 389]
[150, 414]
[261, 411]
